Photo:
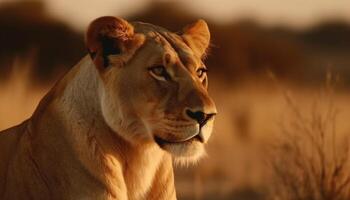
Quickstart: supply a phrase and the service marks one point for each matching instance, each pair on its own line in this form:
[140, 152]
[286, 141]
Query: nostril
[209, 116]
[199, 116]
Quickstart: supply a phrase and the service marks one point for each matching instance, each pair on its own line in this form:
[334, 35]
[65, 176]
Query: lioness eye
[159, 72]
[201, 72]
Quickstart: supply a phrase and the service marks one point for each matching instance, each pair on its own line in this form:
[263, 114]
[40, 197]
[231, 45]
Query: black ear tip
[92, 54]
[109, 47]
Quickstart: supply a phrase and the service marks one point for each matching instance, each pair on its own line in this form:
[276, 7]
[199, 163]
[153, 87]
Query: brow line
[177, 49]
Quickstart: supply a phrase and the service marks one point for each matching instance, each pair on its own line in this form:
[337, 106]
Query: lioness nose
[201, 117]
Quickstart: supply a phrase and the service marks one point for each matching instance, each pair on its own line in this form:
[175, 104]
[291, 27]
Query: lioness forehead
[166, 38]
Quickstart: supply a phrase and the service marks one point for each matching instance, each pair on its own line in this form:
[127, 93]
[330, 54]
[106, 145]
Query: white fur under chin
[189, 161]
[185, 154]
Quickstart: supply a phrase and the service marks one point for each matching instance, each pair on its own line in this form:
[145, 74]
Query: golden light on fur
[110, 129]
[197, 36]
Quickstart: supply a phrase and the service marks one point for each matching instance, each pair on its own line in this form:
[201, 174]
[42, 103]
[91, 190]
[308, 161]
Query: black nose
[199, 116]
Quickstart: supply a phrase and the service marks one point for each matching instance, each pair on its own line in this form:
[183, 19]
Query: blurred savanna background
[279, 73]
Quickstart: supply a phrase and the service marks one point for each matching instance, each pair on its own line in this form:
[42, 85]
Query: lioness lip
[161, 142]
[200, 136]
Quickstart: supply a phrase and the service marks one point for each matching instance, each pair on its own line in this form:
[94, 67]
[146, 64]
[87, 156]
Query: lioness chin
[112, 126]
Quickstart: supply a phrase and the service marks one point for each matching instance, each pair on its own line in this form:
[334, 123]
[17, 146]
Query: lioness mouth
[161, 142]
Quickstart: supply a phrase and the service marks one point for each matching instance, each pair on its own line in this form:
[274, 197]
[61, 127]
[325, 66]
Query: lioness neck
[104, 163]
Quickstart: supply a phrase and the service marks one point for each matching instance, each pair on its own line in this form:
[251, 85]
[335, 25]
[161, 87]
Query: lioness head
[154, 83]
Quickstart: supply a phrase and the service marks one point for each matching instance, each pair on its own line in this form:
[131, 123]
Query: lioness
[112, 126]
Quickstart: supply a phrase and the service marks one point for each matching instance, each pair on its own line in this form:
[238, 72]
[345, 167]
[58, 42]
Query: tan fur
[93, 135]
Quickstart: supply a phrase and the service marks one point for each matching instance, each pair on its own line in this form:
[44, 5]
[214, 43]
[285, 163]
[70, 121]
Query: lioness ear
[197, 36]
[110, 36]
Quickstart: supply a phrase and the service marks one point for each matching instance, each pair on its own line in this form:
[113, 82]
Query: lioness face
[154, 84]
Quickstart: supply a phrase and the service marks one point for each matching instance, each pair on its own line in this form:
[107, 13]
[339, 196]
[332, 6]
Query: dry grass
[311, 159]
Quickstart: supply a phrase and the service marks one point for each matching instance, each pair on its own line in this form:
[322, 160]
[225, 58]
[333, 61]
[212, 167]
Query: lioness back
[9, 139]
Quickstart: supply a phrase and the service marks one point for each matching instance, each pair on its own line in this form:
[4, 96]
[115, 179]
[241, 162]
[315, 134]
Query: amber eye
[159, 72]
[201, 72]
